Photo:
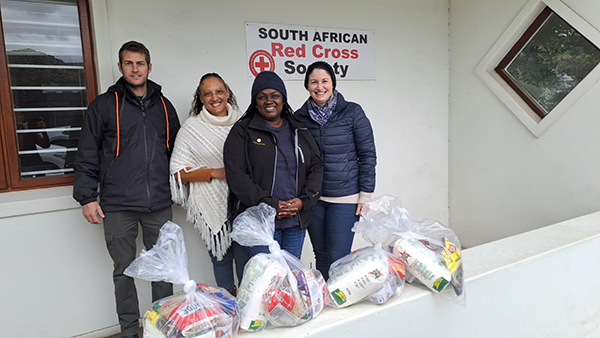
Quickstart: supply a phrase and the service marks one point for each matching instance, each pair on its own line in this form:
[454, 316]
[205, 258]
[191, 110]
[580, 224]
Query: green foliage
[553, 62]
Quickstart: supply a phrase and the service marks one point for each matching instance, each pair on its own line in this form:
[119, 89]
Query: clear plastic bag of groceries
[430, 250]
[199, 311]
[370, 273]
[276, 287]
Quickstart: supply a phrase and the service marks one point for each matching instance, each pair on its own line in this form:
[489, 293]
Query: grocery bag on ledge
[276, 287]
[370, 273]
[431, 251]
[199, 311]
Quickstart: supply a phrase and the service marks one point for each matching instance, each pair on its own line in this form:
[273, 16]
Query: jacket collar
[122, 89]
[257, 122]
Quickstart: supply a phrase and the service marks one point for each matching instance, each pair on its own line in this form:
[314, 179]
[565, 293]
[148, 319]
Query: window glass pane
[47, 78]
[46, 29]
[553, 62]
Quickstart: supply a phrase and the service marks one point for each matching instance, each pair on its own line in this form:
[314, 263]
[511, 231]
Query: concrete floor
[141, 334]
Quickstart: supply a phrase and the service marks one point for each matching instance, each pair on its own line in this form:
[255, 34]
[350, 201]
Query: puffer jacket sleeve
[314, 172]
[87, 160]
[365, 149]
[238, 171]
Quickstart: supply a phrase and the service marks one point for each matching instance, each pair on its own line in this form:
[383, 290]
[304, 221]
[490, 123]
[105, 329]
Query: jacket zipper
[298, 152]
[146, 151]
[274, 164]
[297, 149]
[322, 146]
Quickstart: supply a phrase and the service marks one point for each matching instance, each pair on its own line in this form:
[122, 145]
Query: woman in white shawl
[198, 177]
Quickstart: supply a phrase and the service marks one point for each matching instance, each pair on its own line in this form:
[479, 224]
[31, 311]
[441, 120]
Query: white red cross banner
[289, 50]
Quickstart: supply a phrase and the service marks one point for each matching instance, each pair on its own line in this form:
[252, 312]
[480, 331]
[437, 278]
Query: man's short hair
[136, 47]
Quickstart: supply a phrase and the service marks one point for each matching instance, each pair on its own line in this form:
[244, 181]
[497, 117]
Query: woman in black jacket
[271, 157]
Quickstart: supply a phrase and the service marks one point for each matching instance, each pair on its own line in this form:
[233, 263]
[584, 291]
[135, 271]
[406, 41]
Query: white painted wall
[55, 265]
[407, 104]
[504, 180]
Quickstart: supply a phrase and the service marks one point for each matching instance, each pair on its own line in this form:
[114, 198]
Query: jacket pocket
[106, 172]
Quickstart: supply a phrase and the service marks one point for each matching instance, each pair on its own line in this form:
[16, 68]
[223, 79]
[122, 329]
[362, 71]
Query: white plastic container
[422, 263]
[258, 274]
[357, 279]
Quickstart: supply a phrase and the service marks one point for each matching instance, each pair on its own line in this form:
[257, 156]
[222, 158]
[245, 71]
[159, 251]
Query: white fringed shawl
[199, 144]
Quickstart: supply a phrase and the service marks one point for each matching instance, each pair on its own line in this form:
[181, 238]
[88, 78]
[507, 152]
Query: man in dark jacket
[125, 146]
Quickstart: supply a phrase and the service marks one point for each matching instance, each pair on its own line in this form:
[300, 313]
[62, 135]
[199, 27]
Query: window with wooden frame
[548, 62]
[47, 80]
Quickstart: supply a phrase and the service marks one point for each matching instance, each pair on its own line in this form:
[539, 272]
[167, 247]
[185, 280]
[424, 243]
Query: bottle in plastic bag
[368, 273]
[276, 287]
[430, 250]
[422, 263]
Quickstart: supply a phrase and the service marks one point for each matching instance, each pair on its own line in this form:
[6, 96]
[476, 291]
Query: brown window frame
[3, 184]
[10, 174]
[516, 49]
[512, 54]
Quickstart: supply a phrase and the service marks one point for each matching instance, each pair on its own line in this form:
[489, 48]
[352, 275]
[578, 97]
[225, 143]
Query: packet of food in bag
[370, 273]
[284, 304]
[258, 275]
[276, 287]
[394, 285]
[430, 250]
[313, 289]
[197, 311]
[356, 276]
[175, 317]
[367, 273]
[422, 263]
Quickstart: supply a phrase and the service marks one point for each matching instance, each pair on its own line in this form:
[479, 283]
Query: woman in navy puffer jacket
[345, 137]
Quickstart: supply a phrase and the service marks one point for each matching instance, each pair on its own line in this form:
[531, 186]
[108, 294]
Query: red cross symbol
[260, 61]
[261, 65]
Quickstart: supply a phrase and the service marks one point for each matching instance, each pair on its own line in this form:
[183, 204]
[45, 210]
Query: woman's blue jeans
[331, 233]
[223, 269]
[290, 240]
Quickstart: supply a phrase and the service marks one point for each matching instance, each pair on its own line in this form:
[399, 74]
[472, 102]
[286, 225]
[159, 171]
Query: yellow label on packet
[151, 317]
[452, 255]
[256, 325]
[440, 284]
[339, 296]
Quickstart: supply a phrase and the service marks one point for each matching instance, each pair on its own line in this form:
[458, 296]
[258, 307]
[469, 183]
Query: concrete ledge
[36, 201]
[542, 283]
